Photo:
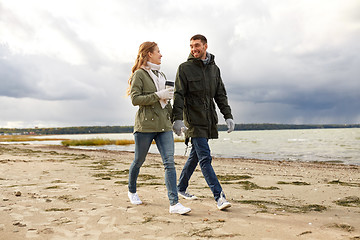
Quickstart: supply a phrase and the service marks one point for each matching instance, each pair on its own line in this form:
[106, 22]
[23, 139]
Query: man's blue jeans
[200, 153]
[165, 144]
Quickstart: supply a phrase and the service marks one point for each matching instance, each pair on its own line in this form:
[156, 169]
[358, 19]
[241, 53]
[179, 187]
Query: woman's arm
[139, 94]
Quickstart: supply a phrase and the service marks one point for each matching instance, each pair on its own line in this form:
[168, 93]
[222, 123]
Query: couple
[197, 85]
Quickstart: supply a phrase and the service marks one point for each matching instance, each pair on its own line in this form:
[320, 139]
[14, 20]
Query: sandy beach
[54, 192]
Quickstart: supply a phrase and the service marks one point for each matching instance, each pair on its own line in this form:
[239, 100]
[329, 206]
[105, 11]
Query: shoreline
[334, 146]
[218, 156]
[55, 192]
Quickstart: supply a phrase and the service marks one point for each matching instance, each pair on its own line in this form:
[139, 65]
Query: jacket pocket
[195, 84]
[196, 115]
[149, 113]
[145, 117]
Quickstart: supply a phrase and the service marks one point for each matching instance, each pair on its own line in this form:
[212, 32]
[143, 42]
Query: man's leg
[187, 171]
[204, 157]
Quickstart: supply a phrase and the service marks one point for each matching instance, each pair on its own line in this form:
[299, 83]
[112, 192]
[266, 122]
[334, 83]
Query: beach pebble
[19, 224]
[47, 231]
[5, 199]
[17, 193]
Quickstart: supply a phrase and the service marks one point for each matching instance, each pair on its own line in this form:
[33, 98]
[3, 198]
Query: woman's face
[155, 56]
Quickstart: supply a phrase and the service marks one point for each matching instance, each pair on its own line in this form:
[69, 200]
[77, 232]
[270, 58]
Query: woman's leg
[165, 144]
[142, 145]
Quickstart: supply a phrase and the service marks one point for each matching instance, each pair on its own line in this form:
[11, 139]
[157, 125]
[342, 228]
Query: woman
[152, 121]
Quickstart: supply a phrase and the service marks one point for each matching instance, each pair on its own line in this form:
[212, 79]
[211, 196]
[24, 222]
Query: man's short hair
[199, 37]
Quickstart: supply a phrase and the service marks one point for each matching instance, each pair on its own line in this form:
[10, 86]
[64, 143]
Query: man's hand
[179, 127]
[230, 124]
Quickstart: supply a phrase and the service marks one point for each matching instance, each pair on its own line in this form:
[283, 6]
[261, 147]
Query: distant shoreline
[129, 129]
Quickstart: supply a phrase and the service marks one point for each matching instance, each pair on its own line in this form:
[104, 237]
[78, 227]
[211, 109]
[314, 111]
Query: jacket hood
[192, 58]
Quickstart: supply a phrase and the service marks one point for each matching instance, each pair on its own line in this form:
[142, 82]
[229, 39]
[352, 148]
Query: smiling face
[198, 48]
[155, 56]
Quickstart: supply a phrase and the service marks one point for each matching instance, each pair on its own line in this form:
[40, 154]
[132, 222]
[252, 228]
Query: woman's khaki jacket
[150, 117]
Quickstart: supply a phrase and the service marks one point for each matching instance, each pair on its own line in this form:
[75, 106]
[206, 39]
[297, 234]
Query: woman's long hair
[141, 59]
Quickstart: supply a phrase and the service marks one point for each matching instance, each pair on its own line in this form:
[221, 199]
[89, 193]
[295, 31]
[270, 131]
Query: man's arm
[221, 99]
[179, 93]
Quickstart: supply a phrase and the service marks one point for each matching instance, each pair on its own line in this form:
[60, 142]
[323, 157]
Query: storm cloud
[67, 64]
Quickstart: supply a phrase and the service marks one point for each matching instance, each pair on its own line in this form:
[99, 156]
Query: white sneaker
[222, 203]
[179, 209]
[134, 198]
[187, 195]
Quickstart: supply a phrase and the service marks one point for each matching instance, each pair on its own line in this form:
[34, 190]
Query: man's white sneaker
[179, 209]
[222, 203]
[134, 198]
[187, 195]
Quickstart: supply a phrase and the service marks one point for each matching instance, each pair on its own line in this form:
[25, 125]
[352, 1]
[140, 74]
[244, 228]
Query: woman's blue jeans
[200, 153]
[165, 144]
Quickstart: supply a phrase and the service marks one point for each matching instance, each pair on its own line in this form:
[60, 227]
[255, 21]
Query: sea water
[324, 145]
[320, 145]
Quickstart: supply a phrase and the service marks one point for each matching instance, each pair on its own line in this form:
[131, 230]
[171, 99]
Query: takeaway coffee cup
[169, 84]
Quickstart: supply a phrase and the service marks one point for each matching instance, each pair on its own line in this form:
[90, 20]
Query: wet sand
[54, 192]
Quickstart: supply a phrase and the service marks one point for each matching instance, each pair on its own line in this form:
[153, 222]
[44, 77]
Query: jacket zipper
[206, 105]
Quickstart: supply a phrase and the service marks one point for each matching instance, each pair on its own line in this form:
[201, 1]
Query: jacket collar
[199, 61]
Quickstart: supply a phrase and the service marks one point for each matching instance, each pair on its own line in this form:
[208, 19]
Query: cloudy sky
[66, 62]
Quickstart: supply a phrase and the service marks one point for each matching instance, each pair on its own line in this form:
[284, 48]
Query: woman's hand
[166, 93]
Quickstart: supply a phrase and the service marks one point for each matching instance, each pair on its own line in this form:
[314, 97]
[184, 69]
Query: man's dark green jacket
[197, 85]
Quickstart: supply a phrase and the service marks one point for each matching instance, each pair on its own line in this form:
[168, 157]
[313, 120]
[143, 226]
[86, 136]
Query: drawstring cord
[187, 145]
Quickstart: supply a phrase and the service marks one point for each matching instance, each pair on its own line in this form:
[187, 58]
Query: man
[198, 83]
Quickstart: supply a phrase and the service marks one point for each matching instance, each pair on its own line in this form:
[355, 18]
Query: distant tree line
[273, 126]
[68, 130]
[129, 129]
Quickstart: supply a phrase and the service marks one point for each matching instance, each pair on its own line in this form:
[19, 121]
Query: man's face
[198, 49]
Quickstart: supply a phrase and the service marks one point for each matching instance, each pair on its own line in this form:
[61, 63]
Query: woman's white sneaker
[179, 209]
[134, 198]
